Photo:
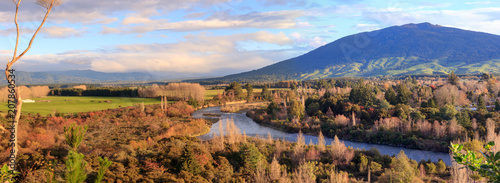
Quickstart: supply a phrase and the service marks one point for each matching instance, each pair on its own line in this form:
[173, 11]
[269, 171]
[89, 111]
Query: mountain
[78, 76]
[398, 50]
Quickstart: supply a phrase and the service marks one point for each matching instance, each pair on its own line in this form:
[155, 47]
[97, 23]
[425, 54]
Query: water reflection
[251, 128]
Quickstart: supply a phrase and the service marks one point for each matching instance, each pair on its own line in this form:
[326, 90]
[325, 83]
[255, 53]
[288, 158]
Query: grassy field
[50, 104]
[77, 104]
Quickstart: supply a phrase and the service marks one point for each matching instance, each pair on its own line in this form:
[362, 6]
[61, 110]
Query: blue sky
[200, 38]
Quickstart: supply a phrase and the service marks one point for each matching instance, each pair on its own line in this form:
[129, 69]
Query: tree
[497, 105]
[48, 5]
[452, 78]
[488, 168]
[390, 96]
[188, 161]
[265, 92]
[296, 109]
[362, 94]
[249, 89]
[236, 88]
[480, 103]
[404, 94]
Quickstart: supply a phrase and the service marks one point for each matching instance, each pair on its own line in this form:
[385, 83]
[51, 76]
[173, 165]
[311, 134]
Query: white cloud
[273, 20]
[479, 19]
[61, 32]
[307, 41]
[199, 54]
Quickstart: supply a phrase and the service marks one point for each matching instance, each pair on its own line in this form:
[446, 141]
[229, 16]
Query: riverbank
[353, 133]
[251, 128]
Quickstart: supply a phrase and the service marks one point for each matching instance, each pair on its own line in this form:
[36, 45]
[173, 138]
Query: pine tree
[452, 78]
[188, 162]
[480, 103]
[265, 92]
[404, 94]
[249, 89]
[497, 105]
[390, 96]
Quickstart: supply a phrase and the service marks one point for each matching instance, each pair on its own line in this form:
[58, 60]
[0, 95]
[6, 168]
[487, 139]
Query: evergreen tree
[362, 94]
[480, 103]
[265, 92]
[452, 78]
[188, 162]
[464, 119]
[404, 94]
[497, 105]
[273, 109]
[251, 157]
[296, 109]
[249, 89]
[236, 88]
[293, 87]
[390, 96]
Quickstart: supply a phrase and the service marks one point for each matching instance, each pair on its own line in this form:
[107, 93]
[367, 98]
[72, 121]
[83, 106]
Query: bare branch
[48, 3]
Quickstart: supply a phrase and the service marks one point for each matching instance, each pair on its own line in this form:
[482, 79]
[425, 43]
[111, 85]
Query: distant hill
[399, 50]
[78, 76]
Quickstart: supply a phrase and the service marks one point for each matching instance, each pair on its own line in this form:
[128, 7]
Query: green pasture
[73, 104]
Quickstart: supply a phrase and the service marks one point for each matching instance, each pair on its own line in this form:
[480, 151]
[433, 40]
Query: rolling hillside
[399, 50]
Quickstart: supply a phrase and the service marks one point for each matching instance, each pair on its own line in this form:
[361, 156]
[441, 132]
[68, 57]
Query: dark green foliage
[390, 96]
[265, 93]
[463, 119]
[249, 89]
[404, 94]
[293, 86]
[312, 109]
[236, 88]
[109, 92]
[497, 105]
[480, 103]
[251, 157]
[362, 94]
[193, 102]
[453, 79]
[188, 162]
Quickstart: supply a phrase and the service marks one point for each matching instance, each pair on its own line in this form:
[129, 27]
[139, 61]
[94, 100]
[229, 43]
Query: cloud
[199, 55]
[61, 32]
[98, 11]
[307, 41]
[271, 20]
[478, 19]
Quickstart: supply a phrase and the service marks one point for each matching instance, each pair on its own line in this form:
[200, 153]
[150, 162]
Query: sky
[206, 38]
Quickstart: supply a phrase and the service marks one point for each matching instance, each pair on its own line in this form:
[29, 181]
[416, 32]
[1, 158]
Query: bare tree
[48, 5]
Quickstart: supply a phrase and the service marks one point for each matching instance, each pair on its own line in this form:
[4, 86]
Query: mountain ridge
[421, 48]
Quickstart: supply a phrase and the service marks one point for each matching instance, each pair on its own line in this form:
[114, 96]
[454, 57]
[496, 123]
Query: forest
[158, 143]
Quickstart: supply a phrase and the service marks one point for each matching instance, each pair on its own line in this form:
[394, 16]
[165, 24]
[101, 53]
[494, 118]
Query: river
[251, 128]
